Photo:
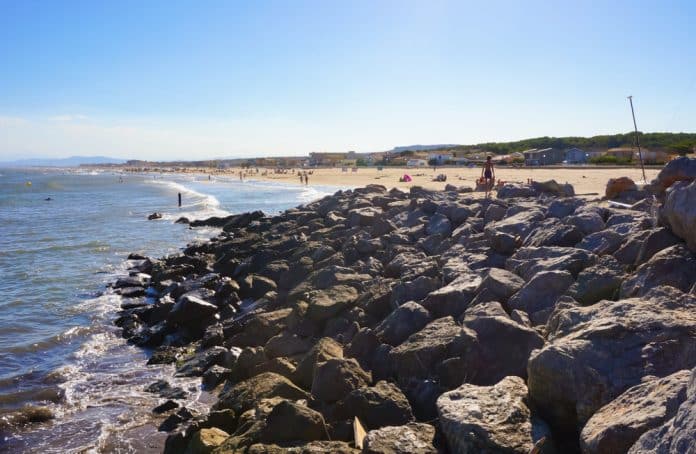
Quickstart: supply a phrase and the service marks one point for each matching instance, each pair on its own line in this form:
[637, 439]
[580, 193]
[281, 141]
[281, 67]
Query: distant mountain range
[73, 161]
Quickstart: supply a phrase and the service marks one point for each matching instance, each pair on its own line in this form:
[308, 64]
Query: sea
[68, 381]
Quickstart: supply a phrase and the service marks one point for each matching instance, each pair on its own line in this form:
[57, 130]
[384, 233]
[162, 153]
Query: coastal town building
[439, 158]
[543, 157]
[576, 156]
[416, 163]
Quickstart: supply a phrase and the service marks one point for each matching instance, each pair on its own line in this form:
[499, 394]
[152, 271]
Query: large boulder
[289, 421]
[490, 418]
[551, 187]
[588, 221]
[519, 224]
[552, 232]
[453, 298]
[602, 243]
[206, 440]
[418, 355]
[617, 425]
[595, 353]
[528, 261]
[678, 434]
[415, 290]
[189, 309]
[501, 284]
[680, 169]
[655, 241]
[327, 303]
[324, 350]
[679, 211]
[509, 191]
[439, 224]
[335, 378]
[598, 282]
[413, 438]
[538, 296]
[503, 346]
[242, 396]
[674, 266]
[617, 186]
[381, 405]
[405, 320]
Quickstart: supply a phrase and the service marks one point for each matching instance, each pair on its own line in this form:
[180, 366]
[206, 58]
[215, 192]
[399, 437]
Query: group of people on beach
[304, 178]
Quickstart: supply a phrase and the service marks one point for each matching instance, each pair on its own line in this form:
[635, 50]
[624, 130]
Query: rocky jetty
[384, 321]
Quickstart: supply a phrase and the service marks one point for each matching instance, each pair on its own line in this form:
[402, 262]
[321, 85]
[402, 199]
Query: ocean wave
[203, 205]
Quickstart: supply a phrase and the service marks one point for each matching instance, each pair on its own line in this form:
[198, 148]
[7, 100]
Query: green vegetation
[681, 143]
[608, 159]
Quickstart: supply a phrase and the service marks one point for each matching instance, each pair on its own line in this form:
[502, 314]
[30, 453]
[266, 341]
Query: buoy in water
[28, 183]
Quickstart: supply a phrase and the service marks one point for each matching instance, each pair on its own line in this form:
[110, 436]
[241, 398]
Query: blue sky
[190, 80]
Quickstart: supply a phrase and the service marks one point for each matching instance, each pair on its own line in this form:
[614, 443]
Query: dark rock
[327, 303]
[619, 424]
[407, 319]
[413, 438]
[173, 420]
[586, 221]
[335, 378]
[538, 296]
[286, 344]
[214, 376]
[674, 266]
[242, 396]
[680, 169]
[415, 290]
[378, 406]
[418, 355]
[189, 309]
[598, 282]
[154, 216]
[617, 186]
[289, 421]
[595, 353]
[552, 232]
[679, 214]
[454, 298]
[528, 261]
[324, 350]
[165, 407]
[678, 434]
[490, 418]
[655, 241]
[199, 362]
[503, 347]
[501, 284]
[602, 243]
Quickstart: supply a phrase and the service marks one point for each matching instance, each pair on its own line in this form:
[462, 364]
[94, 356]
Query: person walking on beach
[488, 174]
[306, 179]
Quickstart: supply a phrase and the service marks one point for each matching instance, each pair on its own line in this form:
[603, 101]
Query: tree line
[681, 143]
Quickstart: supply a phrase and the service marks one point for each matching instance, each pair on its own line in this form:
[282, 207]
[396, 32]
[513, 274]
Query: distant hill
[673, 142]
[422, 147]
[73, 161]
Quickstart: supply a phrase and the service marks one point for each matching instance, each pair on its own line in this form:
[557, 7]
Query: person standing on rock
[488, 174]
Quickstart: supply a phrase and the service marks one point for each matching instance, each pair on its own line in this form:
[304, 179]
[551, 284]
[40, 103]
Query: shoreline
[379, 304]
[590, 180]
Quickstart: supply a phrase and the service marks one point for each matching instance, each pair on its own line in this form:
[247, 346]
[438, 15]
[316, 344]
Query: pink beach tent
[406, 177]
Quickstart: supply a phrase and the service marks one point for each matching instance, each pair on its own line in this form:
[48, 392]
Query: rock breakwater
[436, 321]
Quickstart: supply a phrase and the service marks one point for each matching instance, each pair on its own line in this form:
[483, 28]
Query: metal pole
[640, 154]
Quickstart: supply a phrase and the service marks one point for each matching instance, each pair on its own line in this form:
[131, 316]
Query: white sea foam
[201, 205]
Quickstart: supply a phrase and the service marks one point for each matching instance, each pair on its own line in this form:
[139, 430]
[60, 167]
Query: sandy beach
[589, 181]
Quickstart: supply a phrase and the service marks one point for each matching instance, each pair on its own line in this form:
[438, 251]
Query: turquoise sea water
[58, 348]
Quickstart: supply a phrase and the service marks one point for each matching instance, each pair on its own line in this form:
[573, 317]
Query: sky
[167, 80]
